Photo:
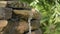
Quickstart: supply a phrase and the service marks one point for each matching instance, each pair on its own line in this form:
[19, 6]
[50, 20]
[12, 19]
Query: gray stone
[17, 4]
[5, 13]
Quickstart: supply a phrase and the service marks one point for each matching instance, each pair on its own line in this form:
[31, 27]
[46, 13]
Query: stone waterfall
[17, 18]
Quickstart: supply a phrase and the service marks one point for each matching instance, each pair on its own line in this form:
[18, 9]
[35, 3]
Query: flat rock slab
[5, 13]
[26, 13]
[3, 3]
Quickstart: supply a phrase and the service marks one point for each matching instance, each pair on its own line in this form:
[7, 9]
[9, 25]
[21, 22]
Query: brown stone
[26, 13]
[3, 23]
[36, 32]
[22, 12]
[3, 3]
[22, 27]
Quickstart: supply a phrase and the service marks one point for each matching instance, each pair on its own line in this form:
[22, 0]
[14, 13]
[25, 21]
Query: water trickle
[29, 21]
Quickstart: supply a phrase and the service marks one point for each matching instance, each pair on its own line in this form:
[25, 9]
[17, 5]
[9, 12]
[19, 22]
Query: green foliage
[50, 11]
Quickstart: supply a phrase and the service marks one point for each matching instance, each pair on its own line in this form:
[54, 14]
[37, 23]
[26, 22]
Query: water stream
[29, 21]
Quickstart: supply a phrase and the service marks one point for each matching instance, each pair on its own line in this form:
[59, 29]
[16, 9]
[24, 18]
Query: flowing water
[29, 21]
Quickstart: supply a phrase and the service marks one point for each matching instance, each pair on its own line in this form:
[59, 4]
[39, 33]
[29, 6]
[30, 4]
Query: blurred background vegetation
[50, 14]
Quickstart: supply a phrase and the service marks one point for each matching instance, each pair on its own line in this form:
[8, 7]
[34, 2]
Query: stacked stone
[14, 18]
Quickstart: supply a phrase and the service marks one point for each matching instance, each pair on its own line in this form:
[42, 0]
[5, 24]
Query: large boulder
[5, 13]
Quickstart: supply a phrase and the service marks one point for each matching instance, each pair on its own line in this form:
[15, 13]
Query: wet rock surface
[18, 20]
